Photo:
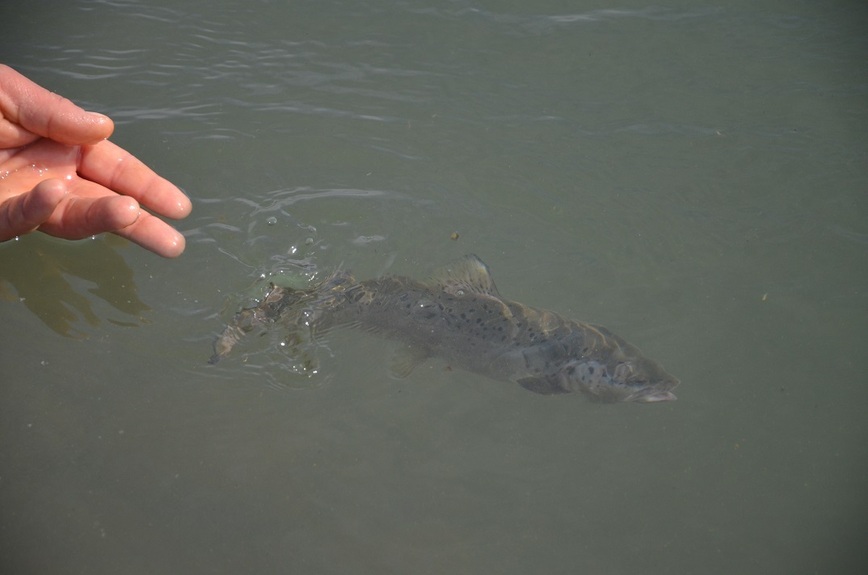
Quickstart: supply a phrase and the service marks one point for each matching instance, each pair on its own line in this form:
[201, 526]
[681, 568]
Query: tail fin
[269, 310]
[294, 308]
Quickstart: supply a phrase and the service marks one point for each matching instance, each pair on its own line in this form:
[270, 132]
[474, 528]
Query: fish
[459, 316]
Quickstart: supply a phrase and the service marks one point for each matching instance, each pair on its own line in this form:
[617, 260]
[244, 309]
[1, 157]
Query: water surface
[690, 176]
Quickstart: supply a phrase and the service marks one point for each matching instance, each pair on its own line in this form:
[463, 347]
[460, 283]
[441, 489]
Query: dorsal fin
[467, 275]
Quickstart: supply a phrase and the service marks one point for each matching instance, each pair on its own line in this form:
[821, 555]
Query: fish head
[636, 379]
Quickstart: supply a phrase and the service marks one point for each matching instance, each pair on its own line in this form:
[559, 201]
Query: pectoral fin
[544, 385]
[406, 359]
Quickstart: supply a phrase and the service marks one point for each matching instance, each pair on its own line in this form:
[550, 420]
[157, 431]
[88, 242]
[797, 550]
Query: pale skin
[60, 175]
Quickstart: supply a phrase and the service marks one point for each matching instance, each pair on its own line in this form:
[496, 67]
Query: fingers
[75, 205]
[96, 186]
[26, 212]
[155, 235]
[27, 109]
[116, 169]
[89, 210]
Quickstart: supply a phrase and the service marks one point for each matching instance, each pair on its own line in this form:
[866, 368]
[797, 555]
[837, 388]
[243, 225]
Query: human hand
[60, 175]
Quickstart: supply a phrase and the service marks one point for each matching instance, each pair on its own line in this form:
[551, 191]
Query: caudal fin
[295, 309]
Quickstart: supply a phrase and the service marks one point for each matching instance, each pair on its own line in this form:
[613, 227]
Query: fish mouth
[651, 396]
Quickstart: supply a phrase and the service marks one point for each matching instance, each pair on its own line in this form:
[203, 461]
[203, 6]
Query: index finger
[28, 109]
[113, 167]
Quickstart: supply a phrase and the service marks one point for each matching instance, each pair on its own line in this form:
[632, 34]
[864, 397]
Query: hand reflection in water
[60, 175]
[47, 278]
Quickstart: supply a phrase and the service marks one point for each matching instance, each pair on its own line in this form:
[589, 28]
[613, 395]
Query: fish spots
[426, 309]
[460, 317]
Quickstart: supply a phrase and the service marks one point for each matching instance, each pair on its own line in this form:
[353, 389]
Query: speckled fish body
[458, 315]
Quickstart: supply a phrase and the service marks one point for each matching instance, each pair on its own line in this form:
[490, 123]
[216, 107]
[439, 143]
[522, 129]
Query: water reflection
[57, 281]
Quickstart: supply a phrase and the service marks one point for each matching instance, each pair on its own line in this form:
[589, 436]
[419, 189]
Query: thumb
[26, 212]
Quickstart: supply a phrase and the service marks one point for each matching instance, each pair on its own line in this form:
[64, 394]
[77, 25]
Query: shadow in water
[57, 281]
